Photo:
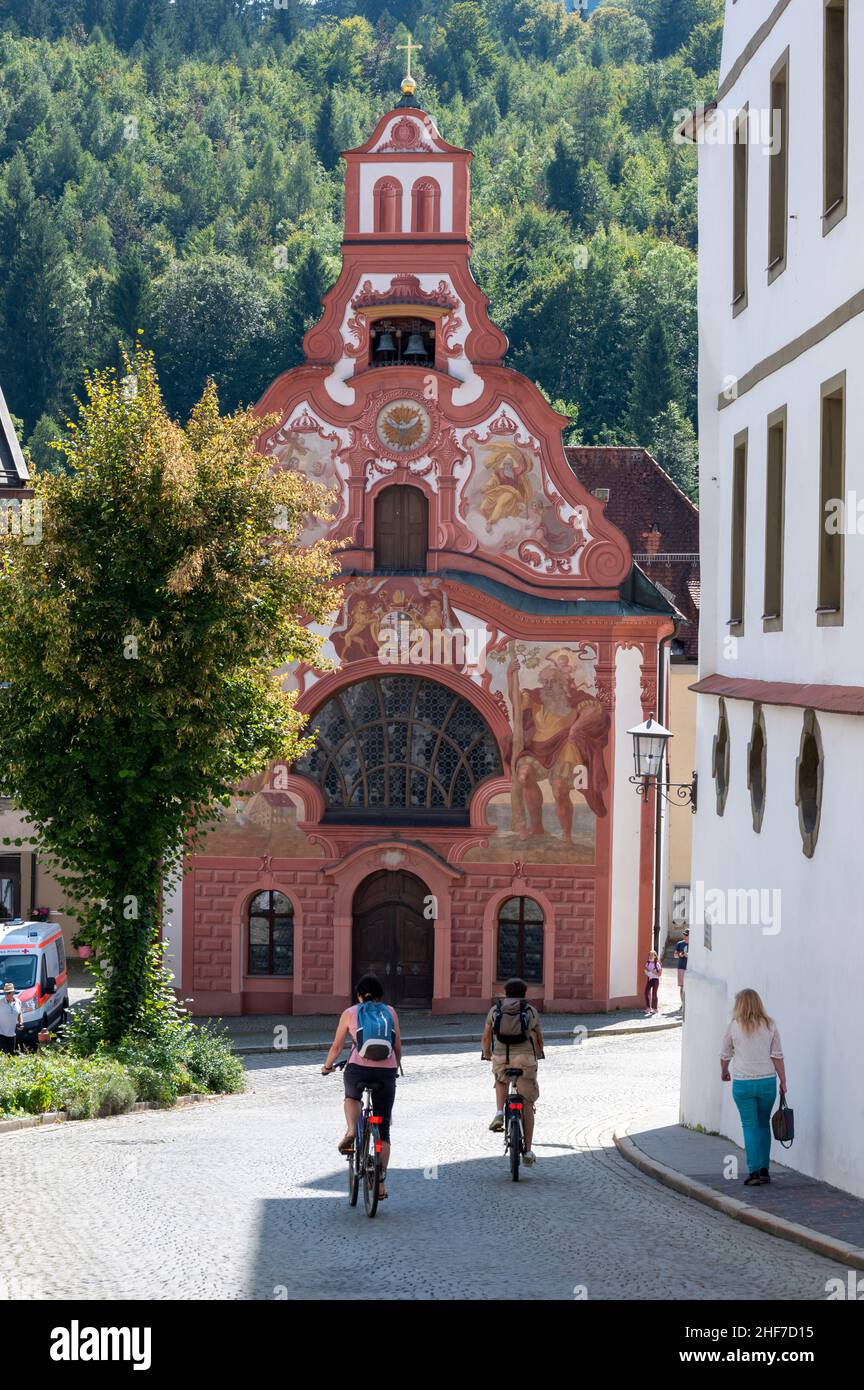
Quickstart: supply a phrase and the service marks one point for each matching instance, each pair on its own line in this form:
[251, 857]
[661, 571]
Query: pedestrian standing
[653, 971]
[681, 952]
[11, 1019]
[752, 1045]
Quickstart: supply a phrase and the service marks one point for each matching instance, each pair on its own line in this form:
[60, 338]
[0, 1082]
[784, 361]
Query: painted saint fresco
[505, 505]
[560, 732]
[262, 822]
[314, 455]
[400, 622]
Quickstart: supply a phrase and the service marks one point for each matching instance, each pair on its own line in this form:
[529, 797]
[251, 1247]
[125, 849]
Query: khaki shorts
[526, 1084]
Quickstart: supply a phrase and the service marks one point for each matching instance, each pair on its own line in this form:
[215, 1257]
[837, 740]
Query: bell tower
[407, 184]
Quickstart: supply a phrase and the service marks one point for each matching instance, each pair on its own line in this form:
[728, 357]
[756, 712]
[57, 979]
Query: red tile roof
[658, 519]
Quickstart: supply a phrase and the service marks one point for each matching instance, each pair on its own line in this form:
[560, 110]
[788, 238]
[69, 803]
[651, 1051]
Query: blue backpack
[374, 1031]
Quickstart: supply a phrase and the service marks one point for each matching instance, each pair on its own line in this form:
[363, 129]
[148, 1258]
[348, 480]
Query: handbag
[783, 1123]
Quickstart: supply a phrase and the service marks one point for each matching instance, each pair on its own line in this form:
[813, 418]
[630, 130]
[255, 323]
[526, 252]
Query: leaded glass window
[399, 748]
[520, 940]
[271, 935]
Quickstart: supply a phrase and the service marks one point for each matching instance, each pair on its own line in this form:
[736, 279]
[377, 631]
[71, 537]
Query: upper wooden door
[401, 528]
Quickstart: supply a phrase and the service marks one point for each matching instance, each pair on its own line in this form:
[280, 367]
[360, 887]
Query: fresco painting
[264, 822]
[315, 456]
[560, 731]
[505, 504]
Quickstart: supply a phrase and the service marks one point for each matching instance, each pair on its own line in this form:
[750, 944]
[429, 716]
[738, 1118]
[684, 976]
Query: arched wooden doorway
[401, 528]
[393, 939]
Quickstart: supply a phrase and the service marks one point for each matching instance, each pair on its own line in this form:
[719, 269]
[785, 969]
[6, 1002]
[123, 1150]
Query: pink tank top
[355, 1057]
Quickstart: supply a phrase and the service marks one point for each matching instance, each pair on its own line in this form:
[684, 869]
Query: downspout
[658, 818]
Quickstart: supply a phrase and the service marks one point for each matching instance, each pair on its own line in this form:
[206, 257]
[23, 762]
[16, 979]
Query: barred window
[271, 935]
[520, 940]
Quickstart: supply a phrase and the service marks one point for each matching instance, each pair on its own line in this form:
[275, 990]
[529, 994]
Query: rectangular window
[739, 535]
[775, 504]
[740, 156]
[10, 887]
[832, 502]
[778, 173]
[836, 113]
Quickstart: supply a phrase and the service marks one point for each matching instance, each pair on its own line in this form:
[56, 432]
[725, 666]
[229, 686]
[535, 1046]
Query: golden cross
[411, 46]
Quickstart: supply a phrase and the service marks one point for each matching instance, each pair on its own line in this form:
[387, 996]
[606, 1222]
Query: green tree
[46, 458]
[45, 310]
[326, 143]
[655, 380]
[672, 441]
[211, 316]
[138, 641]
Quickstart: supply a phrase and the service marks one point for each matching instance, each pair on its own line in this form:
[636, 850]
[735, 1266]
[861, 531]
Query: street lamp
[649, 746]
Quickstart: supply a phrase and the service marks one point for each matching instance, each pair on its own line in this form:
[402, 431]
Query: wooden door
[393, 940]
[401, 528]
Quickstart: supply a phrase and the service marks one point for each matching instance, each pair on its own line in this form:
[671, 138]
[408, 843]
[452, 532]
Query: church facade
[465, 813]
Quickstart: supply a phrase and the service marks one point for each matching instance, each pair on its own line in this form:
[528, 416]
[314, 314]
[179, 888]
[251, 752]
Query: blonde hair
[654, 954]
[749, 1011]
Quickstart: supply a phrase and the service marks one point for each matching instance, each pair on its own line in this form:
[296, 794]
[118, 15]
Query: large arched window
[426, 206]
[401, 528]
[399, 750]
[271, 935]
[387, 197]
[520, 940]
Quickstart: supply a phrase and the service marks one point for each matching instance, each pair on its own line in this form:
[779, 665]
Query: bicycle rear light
[375, 1119]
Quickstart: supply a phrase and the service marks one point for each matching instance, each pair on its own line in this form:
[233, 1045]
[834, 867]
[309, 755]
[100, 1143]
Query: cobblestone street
[245, 1197]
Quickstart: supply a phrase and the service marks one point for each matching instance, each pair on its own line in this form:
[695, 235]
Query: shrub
[113, 1089]
[211, 1061]
[153, 1085]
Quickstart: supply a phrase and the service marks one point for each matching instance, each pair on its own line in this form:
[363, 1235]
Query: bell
[386, 343]
[416, 346]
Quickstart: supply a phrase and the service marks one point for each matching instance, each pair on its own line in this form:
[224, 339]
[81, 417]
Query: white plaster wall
[173, 932]
[623, 965]
[743, 18]
[810, 972]
[407, 172]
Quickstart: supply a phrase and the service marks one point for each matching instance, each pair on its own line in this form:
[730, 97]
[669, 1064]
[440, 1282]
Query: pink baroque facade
[465, 813]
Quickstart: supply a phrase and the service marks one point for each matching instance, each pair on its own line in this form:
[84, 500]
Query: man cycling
[375, 1057]
[513, 1038]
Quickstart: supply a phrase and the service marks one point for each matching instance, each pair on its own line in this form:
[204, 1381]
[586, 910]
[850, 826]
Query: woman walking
[653, 970]
[752, 1045]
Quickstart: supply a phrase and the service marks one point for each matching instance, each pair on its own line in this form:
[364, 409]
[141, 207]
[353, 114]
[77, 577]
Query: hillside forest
[170, 171]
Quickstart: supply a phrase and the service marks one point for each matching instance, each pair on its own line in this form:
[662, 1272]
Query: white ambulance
[33, 959]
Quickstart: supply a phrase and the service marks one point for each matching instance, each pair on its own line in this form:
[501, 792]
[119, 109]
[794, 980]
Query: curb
[559, 1035]
[817, 1241]
[59, 1117]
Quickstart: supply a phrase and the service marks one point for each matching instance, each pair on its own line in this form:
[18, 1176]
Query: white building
[780, 729]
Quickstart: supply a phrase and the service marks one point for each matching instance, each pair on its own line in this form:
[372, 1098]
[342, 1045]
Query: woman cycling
[362, 1069]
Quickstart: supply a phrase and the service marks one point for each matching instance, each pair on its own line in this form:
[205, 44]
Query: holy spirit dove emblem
[403, 426]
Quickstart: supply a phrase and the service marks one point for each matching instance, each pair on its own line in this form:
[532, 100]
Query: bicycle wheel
[515, 1148]
[371, 1171]
[354, 1170]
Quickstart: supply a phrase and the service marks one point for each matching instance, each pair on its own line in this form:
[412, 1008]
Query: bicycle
[364, 1164]
[514, 1136]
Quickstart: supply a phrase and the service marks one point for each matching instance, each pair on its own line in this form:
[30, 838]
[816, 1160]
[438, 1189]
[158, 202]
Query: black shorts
[383, 1095]
[682, 962]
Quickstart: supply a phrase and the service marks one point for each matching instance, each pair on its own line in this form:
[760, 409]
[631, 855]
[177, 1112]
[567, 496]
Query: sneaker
[753, 1180]
[528, 1158]
[497, 1125]
[764, 1175]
